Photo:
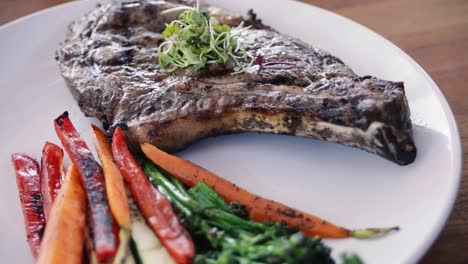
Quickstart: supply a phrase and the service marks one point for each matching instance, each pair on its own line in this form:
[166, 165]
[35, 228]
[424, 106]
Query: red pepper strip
[51, 174]
[154, 206]
[29, 186]
[102, 223]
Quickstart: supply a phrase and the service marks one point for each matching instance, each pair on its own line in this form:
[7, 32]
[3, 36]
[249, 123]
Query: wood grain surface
[435, 34]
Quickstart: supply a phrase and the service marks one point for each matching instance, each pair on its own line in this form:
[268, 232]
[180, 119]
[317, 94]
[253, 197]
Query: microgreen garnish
[273, 64]
[195, 39]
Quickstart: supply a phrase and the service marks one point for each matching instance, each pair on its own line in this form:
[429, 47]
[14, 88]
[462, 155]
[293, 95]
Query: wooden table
[435, 34]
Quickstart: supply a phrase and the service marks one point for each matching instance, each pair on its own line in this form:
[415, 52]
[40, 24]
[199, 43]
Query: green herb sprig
[195, 39]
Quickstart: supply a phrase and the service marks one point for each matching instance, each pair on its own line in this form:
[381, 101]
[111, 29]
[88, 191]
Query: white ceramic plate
[347, 186]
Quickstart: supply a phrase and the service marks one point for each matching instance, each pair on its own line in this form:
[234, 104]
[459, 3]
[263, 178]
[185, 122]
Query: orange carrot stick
[115, 188]
[259, 208]
[65, 231]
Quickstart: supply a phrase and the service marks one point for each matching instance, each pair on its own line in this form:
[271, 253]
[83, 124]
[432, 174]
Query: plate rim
[454, 130]
[453, 126]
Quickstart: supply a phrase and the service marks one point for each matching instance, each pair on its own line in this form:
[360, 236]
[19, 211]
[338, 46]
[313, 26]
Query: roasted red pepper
[51, 174]
[29, 186]
[154, 206]
[102, 223]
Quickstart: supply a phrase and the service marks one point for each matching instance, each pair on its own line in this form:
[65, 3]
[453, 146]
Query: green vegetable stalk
[225, 235]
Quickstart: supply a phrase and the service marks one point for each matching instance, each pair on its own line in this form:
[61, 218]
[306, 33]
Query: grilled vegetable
[147, 248]
[51, 174]
[350, 259]
[29, 186]
[65, 232]
[116, 194]
[154, 206]
[114, 183]
[259, 208]
[229, 238]
[102, 223]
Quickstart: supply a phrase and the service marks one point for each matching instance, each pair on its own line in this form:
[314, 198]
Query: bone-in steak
[110, 63]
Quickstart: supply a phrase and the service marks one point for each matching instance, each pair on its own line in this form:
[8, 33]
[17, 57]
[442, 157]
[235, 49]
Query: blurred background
[434, 33]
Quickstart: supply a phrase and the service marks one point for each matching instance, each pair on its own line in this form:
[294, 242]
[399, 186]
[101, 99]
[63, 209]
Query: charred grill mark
[328, 59]
[282, 79]
[40, 230]
[125, 18]
[343, 101]
[151, 10]
[392, 148]
[37, 203]
[254, 20]
[150, 110]
[110, 129]
[127, 56]
[363, 78]
[291, 213]
[325, 133]
[325, 102]
[59, 120]
[88, 165]
[98, 211]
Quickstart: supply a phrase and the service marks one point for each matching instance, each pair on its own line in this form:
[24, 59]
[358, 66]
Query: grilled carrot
[65, 231]
[154, 206]
[116, 194]
[51, 174]
[259, 208]
[115, 188]
[29, 186]
[91, 175]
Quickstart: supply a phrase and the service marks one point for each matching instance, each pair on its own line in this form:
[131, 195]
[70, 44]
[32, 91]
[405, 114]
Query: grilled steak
[110, 63]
